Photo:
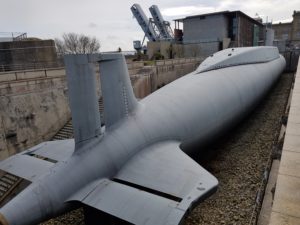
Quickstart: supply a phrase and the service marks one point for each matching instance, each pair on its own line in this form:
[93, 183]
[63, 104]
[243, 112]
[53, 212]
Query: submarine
[137, 167]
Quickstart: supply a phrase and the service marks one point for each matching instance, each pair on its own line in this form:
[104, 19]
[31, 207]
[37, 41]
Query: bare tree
[72, 43]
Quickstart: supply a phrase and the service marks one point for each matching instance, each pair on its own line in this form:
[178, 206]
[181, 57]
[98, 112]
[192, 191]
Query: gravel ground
[238, 164]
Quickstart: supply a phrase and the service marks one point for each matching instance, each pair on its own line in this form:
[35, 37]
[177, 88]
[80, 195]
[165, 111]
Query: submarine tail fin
[82, 98]
[118, 97]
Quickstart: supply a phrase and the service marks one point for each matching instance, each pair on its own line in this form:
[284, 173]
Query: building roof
[282, 24]
[206, 14]
[224, 13]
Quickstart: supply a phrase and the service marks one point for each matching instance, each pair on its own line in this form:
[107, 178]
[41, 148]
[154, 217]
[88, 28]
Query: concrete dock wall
[31, 110]
[34, 103]
[286, 203]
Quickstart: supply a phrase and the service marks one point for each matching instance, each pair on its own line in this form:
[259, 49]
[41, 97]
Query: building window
[202, 17]
[234, 26]
[285, 36]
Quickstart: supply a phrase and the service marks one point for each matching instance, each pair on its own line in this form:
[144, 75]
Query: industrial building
[202, 35]
[288, 34]
[215, 31]
[241, 29]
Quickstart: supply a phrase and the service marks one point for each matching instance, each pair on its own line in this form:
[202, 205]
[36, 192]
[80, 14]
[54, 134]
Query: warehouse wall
[215, 27]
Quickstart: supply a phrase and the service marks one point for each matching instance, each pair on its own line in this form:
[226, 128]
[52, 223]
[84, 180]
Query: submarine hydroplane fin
[150, 189]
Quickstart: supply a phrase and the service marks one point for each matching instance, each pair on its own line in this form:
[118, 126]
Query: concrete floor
[286, 205]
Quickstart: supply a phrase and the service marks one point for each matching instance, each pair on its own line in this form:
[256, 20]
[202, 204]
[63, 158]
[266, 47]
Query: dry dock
[240, 162]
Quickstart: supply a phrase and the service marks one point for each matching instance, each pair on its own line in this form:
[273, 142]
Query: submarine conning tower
[238, 56]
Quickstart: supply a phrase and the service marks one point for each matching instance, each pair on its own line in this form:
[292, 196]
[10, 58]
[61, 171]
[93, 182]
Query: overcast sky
[111, 21]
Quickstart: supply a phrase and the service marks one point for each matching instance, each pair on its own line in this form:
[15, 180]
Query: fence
[12, 36]
[30, 66]
[291, 58]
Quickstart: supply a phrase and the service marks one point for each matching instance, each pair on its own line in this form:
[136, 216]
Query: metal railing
[291, 58]
[30, 66]
[13, 36]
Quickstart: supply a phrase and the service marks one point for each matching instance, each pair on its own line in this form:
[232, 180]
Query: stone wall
[168, 70]
[31, 110]
[178, 51]
[34, 104]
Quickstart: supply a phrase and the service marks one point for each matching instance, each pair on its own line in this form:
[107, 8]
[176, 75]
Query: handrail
[29, 66]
